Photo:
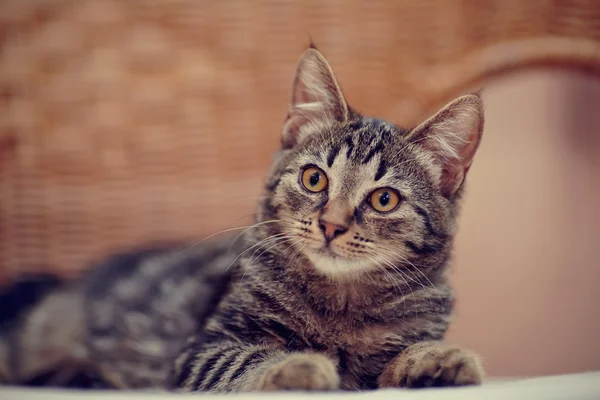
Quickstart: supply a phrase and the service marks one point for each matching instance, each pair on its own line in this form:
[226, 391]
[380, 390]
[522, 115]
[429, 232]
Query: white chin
[338, 268]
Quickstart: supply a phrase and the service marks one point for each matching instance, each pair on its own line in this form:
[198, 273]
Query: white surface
[564, 387]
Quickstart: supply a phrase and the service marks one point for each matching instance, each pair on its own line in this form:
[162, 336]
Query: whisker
[213, 235]
[401, 275]
[418, 270]
[394, 283]
[435, 290]
[300, 247]
[277, 241]
[389, 258]
[250, 227]
[252, 247]
[268, 243]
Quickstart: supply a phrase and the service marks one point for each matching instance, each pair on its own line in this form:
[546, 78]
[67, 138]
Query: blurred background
[125, 122]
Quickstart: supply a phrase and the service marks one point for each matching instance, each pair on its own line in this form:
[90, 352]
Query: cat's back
[142, 304]
[165, 277]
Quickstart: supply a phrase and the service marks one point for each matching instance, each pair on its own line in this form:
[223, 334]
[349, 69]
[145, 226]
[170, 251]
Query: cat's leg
[432, 363]
[234, 367]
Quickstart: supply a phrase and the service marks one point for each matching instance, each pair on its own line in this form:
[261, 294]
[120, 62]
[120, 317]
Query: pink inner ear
[291, 129]
[468, 152]
[453, 177]
[316, 97]
[453, 135]
[455, 169]
[301, 92]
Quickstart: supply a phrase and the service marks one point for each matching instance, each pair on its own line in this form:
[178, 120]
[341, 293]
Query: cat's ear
[453, 136]
[316, 98]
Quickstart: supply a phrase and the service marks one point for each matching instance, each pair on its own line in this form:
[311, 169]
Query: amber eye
[384, 199]
[314, 179]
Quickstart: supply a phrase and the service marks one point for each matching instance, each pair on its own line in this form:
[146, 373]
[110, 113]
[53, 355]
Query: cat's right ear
[453, 136]
[316, 99]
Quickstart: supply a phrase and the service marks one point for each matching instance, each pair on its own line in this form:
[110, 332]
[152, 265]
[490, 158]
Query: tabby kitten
[341, 284]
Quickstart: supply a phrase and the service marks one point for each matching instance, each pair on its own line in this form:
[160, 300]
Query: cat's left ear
[316, 99]
[453, 136]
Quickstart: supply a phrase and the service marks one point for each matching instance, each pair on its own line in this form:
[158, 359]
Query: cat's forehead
[368, 134]
[363, 138]
[368, 139]
[357, 156]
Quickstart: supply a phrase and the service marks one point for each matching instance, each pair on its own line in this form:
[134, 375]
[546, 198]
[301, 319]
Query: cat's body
[340, 284]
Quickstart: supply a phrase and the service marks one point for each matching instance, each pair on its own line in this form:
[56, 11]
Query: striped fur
[284, 308]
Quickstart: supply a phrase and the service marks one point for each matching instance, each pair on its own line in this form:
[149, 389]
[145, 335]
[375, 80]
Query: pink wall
[527, 268]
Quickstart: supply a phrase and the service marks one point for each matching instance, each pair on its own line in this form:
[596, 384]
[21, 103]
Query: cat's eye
[314, 179]
[384, 199]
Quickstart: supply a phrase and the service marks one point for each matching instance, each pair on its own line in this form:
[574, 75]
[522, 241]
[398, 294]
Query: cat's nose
[331, 230]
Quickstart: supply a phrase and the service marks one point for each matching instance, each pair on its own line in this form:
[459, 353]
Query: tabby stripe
[229, 324]
[268, 301]
[343, 360]
[358, 215]
[427, 248]
[423, 250]
[332, 155]
[270, 208]
[356, 125]
[428, 224]
[322, 203]
[207, 367]
[273, 185]
[255, 357]
[350, 145]
[186, 368]
[252, 328]
[282, 331]
[370, 382]
[381, 170]
[403, 381]
[218, 374]
[374, 150]
[20, 296]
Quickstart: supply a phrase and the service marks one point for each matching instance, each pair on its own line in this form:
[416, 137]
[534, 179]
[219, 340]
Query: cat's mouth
[327, 251]
[335, 265]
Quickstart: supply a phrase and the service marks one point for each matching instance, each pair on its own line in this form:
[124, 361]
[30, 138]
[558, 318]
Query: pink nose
[331, 230]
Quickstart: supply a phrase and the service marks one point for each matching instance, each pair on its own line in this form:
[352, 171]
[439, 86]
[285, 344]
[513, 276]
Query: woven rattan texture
[124, 122]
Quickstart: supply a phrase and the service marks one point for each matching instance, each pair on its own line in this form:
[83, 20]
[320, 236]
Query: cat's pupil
[314, 179]
[384, 199]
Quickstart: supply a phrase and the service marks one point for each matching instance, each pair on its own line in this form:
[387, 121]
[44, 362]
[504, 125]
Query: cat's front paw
[432, 364]
[301, 372]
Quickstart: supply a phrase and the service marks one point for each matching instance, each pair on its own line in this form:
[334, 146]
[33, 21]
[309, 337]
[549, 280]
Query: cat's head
[354, 194]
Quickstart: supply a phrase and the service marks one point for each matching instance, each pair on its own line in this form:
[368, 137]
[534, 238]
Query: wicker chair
[131, 121]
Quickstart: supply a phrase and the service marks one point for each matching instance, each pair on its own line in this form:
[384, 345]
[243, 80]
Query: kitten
[341, 284]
